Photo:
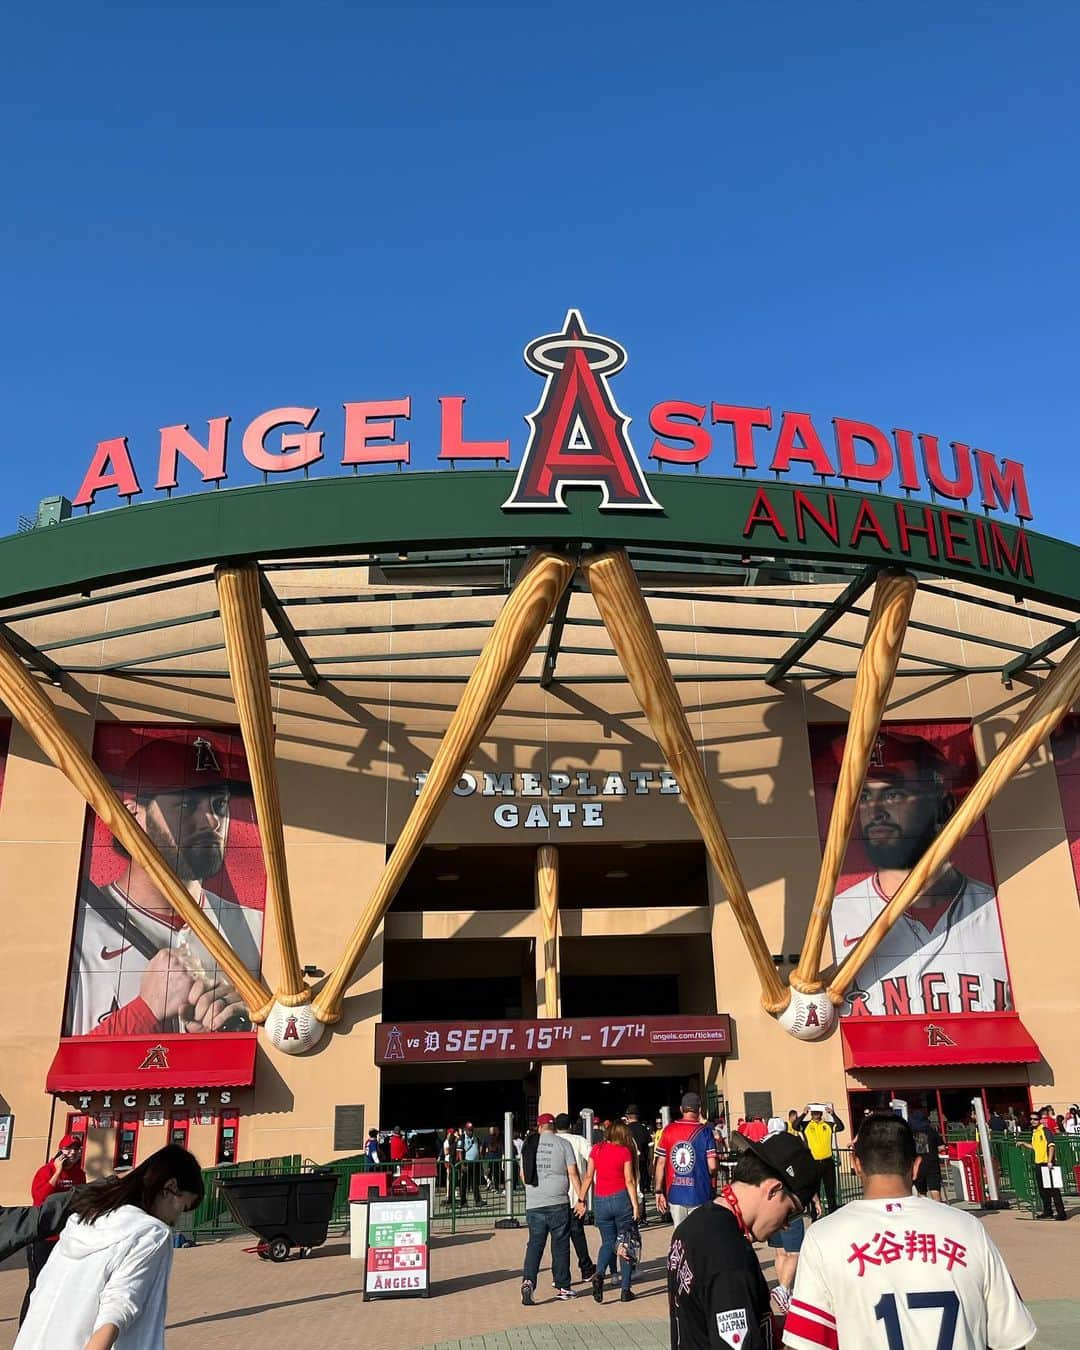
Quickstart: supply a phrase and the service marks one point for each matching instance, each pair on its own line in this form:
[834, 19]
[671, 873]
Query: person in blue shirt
[469, 1148]
[371, 1148]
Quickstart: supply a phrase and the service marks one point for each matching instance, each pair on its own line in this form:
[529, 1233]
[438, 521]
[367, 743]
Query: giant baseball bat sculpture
[245, 644]
[547, 895]
[885, 630]
[639, 649]
[510, 642]
[42, 722]
[1047, 708]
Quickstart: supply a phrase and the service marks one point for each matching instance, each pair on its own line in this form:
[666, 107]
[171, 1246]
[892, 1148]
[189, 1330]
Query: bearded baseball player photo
[136, 967]
[946, 954]
[898, 1271]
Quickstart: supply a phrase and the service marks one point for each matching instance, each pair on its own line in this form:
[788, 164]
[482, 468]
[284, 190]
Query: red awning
[913, 1042]
[132, 1063]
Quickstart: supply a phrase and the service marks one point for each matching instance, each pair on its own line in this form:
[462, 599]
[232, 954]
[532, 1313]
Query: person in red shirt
[612, 1171]
[399, 1150]
[63, 1172]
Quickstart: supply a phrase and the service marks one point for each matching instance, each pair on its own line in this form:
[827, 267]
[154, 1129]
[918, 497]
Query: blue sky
[853, 209]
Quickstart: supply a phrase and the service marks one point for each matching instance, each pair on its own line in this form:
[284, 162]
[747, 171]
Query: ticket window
[127, 1140]
[228, 1137]
[179, 1125]
[78, 1124]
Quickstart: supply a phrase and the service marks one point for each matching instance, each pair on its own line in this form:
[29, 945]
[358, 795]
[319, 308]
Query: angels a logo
[157, 1057]
[936, 1035]
[682, 1158]
[206, 761]
[577, 434]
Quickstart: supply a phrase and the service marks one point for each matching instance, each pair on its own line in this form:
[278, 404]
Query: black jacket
[23, 1224]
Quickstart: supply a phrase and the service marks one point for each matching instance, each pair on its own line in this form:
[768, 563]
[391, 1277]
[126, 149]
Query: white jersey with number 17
[907, 1274]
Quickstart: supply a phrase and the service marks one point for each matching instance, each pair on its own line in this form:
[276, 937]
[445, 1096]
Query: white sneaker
[781, 1296]
[564, 1294]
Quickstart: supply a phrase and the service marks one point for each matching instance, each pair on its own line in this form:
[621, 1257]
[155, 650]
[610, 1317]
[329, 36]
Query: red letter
[867, 523]
[209, 459]
[808, 448]
[935, 993]
[847, 433]
[1017, 562]
[969, 992]
[111, 466]
[1002, 485]
[957, 489]
[453, 447]
[905, 456]
[896, 997]
[906, 529]
[951, 535]
[297, 451]
[980, 540]
[743, 421]
[830, 528]
[365, 439]
[661, 420]
[762, 513]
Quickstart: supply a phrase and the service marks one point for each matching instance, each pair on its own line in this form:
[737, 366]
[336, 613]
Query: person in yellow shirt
[793, 1121]
[1045, 1151]
[820, 1131]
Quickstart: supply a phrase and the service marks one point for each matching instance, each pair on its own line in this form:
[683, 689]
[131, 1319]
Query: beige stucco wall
[347, 753]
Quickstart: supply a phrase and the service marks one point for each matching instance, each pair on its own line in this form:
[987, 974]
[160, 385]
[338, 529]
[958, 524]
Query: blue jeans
[553, 1219]
[612, 1212]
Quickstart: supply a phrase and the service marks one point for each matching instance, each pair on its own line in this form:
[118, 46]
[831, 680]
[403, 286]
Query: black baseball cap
[790, 1161]
[690, 1102]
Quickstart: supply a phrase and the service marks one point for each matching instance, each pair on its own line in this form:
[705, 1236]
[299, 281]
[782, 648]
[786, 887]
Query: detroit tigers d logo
[577, 434]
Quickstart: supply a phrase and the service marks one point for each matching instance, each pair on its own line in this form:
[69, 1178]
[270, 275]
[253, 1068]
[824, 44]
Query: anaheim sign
[578, 437]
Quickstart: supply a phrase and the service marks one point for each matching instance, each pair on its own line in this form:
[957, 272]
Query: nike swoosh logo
[107, 955]
[850, 942]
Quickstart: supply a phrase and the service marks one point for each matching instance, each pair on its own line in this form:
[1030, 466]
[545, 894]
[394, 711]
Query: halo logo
[577, 434]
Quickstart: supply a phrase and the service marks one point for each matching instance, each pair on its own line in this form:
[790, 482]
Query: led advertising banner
[947, 953]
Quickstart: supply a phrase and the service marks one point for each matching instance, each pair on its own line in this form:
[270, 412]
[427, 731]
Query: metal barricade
[463, 1201]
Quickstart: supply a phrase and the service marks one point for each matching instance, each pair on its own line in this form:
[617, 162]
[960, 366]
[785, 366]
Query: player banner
[136, 969]
[947, 954]
[1065, 744]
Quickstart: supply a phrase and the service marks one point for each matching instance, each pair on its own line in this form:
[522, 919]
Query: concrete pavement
[222, 1296]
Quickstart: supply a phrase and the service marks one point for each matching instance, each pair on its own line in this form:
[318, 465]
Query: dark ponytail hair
[142, 1185]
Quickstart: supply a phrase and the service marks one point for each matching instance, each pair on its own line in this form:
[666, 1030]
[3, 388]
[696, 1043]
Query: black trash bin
[284, 1210]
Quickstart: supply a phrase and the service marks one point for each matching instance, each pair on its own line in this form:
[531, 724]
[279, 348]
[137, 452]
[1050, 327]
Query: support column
[548, 990]
[554, 1087]
[554, 1077]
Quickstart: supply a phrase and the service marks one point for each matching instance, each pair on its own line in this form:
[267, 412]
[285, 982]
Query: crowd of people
[897, 1256]
[890, 1262]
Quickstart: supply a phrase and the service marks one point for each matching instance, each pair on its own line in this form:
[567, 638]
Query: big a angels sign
[577, 435]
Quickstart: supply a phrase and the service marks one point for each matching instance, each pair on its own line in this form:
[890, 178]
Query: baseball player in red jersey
[136, 968]
[895, 1271]
[946, 954]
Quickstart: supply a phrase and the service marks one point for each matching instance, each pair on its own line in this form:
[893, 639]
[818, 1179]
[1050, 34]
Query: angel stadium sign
[579, 438]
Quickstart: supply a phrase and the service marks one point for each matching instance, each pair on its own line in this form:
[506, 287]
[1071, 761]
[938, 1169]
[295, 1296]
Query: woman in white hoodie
[105, 1284]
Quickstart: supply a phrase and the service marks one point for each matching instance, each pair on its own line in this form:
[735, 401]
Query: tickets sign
[397, 1249]
[554, 1038]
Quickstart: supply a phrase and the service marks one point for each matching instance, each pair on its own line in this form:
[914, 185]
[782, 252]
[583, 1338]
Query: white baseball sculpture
[293, 1030]
[808, 1017]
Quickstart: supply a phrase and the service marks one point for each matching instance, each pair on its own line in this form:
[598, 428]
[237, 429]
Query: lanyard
[731, 1200]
